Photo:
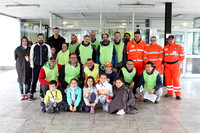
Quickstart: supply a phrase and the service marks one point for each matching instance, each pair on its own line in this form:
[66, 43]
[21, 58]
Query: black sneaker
[156, 102]
[178, 98]
[57, 110]
[43, 110]
[30, 97]
[145, 100]
[168, 95]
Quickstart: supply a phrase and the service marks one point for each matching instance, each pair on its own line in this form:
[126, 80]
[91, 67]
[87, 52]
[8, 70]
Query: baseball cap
[108, 64]
[171, 36]
[52, 58]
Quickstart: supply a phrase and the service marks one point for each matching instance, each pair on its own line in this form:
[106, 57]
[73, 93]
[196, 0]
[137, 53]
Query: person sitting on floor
[52, 99]
[90, 95]
[151, 81]
[123, 100]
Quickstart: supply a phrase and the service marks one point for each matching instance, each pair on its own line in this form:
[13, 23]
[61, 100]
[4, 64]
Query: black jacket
[57, 43]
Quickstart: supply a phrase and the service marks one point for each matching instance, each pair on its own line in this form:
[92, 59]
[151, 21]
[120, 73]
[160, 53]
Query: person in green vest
[85, 51]
[47, 73]
[73, 44]
[129, 75]
[91, 69]
[120, 49]
[63, 55]
[151, 81]
[95, 42]
[106, 52]
[69, 71]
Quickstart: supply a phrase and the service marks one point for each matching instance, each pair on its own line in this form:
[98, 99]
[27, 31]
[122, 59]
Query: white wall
[9, 39]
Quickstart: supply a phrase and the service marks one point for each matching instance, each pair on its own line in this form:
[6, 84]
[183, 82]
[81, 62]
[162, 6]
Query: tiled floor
[169, 116]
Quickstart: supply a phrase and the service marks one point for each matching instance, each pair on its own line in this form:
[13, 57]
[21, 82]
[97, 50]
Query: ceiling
[61, 7]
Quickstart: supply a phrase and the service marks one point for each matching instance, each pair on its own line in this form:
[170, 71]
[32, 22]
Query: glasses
[153, 40]
[108, 66]
[129, 64]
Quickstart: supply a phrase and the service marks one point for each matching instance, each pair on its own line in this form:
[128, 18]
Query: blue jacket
[114, 58]
[78, 95]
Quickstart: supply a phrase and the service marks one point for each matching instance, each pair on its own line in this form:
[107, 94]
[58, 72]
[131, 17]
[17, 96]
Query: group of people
[78, 76]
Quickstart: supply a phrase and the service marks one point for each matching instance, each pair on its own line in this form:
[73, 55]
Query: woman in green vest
[151, 81]
[63, 55]
[120, 49]
[85, 51]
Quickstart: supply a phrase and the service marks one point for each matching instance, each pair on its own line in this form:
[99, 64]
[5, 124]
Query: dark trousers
[35, 75]
[63, 93]
[92, 97]
[44, 89]
[58, 105]
[78, 109]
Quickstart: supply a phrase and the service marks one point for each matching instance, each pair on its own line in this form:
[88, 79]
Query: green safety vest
[72, 48]
[106, 53]
[119, 49]
[150, 80]
[63, 58]
[93, 73]
[128, 77]
[51, 74]
[95, 44]
[85, 53]
[71, 72]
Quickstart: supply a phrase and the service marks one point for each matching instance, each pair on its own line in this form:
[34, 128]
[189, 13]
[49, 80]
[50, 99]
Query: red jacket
[42, 75]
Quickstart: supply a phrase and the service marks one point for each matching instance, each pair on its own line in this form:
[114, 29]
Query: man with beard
[73, 44]
[126, 38]
[106, 52]
[40, 53]
[95, 42]
[85, 50]
[56, 40]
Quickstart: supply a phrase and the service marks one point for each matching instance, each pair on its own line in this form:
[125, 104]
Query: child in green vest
[74, 96]
[52, 99]
[90, 95]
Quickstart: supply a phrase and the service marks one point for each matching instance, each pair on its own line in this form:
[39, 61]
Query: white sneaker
[121, 112]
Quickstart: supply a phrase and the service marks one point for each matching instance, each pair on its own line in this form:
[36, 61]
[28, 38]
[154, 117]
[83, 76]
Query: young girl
[123, 99]
[23, 67]
[90, 95]
[74, 95]
[105, 92]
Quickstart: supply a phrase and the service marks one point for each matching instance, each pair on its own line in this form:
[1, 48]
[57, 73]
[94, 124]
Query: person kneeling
[123, 99]
[52, 99]
[152, 82]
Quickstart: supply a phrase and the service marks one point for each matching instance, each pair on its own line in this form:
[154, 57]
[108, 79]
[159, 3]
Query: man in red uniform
[173, 55]
[154, 54]
[135, 49]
